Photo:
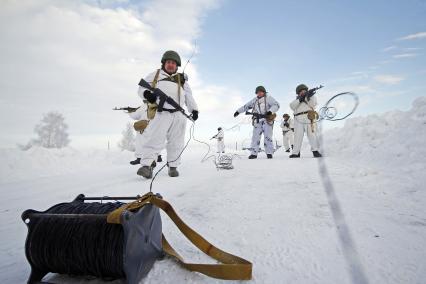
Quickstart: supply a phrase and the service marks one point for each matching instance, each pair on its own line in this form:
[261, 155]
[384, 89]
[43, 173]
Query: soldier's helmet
[260, 89]
[300, 88]
[171, 55]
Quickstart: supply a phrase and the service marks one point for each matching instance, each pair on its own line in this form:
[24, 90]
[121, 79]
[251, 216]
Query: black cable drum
[86, 245]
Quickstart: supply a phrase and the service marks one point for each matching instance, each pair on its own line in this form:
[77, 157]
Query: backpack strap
[231, 268]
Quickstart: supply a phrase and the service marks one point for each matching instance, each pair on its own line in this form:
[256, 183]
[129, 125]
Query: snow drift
[395, 138]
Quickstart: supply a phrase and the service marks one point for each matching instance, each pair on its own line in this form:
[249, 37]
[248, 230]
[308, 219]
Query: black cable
[329, 113]
[77, 246]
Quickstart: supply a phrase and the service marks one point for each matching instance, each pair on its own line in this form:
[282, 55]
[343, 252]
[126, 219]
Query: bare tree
[52, 132]
[128, 140]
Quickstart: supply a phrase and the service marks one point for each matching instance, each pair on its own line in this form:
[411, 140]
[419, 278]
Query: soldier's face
[302, 93]
[170, 66]
[260, 94]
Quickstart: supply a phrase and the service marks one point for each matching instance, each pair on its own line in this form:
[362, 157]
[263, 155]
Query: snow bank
[395, 138]
[42, 162]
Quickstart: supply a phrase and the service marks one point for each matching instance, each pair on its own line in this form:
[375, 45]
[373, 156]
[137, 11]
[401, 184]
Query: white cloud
[83, 58]
[413, 48]
[419, 35]
[389, 48]
[405, 55]
[388, 79]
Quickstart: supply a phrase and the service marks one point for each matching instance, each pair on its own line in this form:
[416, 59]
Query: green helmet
[171, 55]
[300, 88]
[260, 88]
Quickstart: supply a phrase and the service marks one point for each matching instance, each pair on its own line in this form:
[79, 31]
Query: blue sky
[83, 58]
[282, 43]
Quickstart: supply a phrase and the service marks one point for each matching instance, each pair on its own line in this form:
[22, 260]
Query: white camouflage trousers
[259, 128]
[166, 130]
[300, 128]
[288, 139]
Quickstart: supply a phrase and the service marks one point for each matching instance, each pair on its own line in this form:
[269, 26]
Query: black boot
[295, 155]
[159, 159]
[136, 162]
[288, 150]
[291, 147]
[251, 157]
[145, 171]
[173, 172]
[269, 156]
[317, 154]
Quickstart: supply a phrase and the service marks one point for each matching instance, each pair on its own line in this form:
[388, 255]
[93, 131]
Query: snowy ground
[274, 213]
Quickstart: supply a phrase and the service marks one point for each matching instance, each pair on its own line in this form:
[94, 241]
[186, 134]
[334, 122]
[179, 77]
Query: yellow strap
[154, 83]
[179, 86]
[231, 268]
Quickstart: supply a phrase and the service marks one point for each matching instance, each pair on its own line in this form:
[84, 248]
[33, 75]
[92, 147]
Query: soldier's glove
[286, 124]
[236, 114]
[301, 98]
[292, 129]
[269, 113]
[195, 115]
[149, 96]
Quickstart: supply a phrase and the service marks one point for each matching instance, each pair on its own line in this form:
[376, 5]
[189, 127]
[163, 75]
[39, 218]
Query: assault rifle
[309, 93]
[258, 116]
[163, 99]
[128, 109]
[312, 92]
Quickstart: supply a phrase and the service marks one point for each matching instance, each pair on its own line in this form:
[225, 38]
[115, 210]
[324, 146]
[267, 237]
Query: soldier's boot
[251, 157]
[269, 156]
[145, 171]
[317, 154]
[173, 172]
[288, 150]
[295, 155]
[136, 162]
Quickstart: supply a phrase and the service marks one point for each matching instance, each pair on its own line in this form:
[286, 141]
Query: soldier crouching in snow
[287, 126]
[167, 129]
[263, 110]
[305, 120]
[143, 115]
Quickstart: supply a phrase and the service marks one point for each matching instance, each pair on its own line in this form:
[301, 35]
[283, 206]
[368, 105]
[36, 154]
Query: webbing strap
[179, 86]
[231, 268]
[154, 83]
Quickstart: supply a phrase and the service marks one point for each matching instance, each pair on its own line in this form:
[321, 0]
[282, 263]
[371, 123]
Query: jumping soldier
[220, 140]
[263, 111]
[167, 129]
[305, 120]
[287, 126]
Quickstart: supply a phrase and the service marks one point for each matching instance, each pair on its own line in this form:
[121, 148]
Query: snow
[274, 213]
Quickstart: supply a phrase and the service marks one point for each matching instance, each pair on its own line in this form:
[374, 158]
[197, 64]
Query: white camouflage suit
[166, 130]
[303, 125]
[139, 114]
[220, 136]
[288, 137]
[262, 106]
